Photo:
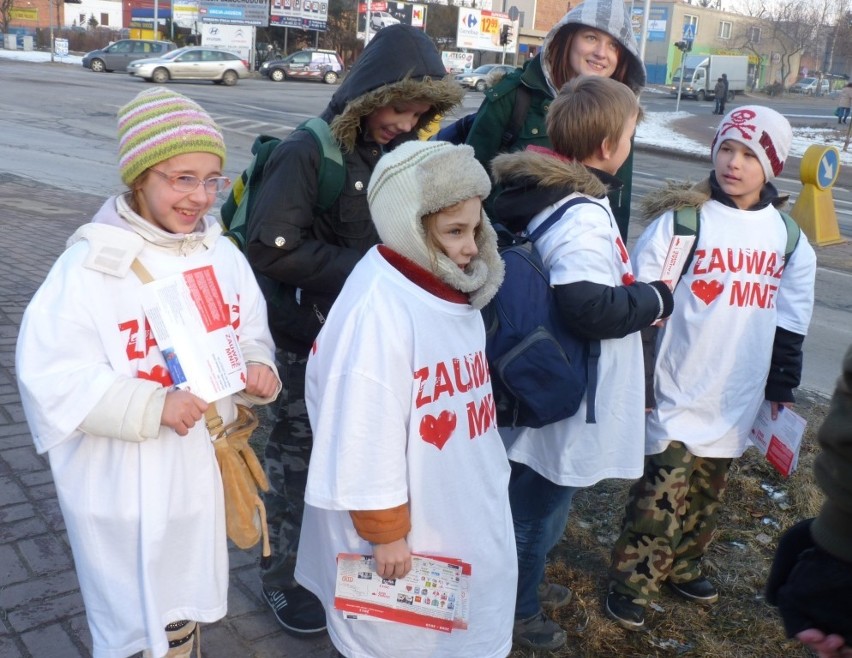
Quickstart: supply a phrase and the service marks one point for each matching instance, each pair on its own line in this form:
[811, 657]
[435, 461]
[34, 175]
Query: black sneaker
[539, 632]
[699, 590]
[621, 608]
[299, 612]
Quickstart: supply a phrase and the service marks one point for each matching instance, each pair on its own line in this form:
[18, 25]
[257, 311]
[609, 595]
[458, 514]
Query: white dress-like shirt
[400, 402]
[586, 246]
[714, 352]
[145, 520]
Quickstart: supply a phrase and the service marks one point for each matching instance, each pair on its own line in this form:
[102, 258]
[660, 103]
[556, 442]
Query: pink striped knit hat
[159, 124]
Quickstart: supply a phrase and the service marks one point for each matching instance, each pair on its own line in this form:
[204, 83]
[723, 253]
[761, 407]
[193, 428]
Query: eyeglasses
[186, 183]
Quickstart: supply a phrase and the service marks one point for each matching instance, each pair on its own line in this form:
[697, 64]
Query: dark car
[116, 56]
[310, 64]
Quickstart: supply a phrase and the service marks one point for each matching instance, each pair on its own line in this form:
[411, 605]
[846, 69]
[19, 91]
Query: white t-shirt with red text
[399, 397]
[714, 352]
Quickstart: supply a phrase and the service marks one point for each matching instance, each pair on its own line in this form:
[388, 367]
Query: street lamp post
[51, 5]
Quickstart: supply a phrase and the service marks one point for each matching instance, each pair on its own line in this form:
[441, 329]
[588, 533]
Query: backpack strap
[332, 173]
[687, 221]
[794, 233]
[594, 346]
[557, 214]
[519, 116]
[236, 209]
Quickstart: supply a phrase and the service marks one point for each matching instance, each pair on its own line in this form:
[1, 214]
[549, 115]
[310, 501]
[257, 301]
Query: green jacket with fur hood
[302, 257]
[495, 112]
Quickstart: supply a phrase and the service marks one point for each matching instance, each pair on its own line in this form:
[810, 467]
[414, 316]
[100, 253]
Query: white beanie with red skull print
[767, 133]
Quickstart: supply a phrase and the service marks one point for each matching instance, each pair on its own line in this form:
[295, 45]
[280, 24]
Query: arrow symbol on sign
[828, 169]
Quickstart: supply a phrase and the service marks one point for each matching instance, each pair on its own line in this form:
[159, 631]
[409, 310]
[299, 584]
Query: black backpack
[539, 369]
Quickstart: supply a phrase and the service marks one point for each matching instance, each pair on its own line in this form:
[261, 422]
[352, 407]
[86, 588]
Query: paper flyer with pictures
[191, 324]
[779, 440]
[675, 258]
[434, 594]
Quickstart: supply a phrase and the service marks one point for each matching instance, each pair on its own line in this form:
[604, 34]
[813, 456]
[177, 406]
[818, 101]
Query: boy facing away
[302, 256]
[733, 341]
[590, 123]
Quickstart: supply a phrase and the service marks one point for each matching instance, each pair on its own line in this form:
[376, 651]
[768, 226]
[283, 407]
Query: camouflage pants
[671, 516]
[286, 457]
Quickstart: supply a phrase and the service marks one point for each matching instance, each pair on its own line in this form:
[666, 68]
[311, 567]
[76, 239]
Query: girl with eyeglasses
[131, 457]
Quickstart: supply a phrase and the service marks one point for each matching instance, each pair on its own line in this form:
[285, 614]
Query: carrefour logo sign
[470, 21]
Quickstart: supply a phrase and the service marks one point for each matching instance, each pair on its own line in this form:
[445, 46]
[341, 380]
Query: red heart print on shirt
[438, 431]
[706, 291]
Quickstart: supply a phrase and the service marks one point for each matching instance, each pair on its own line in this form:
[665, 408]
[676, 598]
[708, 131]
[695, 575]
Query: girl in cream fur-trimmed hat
[134, 465]
[407, 459]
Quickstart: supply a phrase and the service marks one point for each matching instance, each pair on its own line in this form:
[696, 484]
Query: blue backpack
[539, 369]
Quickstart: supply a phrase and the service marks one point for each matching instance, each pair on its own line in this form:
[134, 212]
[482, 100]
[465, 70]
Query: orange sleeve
[382, 526]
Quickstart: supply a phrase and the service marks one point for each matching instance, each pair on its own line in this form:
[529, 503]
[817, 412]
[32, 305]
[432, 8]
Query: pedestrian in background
[734, 341]
[134, 466]
[407, 458]
[302, 256]
[844, 103]
[719, 94]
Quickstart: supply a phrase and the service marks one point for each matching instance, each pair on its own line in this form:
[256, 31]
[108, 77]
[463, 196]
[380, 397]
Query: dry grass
[759, 504]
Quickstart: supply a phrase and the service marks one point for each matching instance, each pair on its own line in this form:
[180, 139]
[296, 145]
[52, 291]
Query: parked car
[116, 56]
[808, 86]
[482, 76]
[310, 64]
[192, 63]
[380, 19]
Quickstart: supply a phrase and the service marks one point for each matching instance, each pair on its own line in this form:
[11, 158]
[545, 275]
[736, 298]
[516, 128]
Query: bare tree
[6, 14]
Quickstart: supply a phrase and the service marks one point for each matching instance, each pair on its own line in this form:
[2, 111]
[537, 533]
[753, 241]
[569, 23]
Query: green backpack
[687, 222]
[238, 206]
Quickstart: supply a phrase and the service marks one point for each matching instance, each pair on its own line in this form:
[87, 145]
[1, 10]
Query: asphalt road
[57, 125]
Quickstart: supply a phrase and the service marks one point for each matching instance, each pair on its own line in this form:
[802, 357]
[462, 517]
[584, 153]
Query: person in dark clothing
[724, 97]
[302, 256]
[811, 576]
[719, 94]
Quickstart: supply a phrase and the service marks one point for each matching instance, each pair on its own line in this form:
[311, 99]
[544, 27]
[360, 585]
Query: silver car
[482, 77]
[192, 63]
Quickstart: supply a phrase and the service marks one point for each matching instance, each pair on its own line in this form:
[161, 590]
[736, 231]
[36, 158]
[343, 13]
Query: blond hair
[433, 248]
[588, 110]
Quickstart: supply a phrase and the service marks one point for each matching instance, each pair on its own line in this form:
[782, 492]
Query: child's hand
[260, 380]
[393, 560]
[182, 410]
[775, 407]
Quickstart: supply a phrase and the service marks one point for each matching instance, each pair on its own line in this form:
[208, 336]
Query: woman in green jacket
[595, 38]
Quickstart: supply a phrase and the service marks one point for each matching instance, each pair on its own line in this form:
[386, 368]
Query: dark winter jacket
[832, 529]
[785, 370]
[302, 256]
[530, 182]
[495, 113]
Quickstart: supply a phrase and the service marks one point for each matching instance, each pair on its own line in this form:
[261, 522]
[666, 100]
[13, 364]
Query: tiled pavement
[41, 611]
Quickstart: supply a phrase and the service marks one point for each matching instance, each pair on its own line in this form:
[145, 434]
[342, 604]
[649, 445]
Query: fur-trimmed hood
[679, 194]
[533, 179]
[401, 64]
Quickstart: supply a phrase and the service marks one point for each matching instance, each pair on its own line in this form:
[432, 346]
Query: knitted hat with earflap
[159, 124]
[767, 133]
[418, 178]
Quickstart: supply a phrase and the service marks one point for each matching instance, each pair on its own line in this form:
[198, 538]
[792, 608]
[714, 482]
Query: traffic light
[683, 46]
[505, 34]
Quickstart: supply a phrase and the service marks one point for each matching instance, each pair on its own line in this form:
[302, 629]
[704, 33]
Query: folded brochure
[434, 594]
[779, 440]
[192, 326]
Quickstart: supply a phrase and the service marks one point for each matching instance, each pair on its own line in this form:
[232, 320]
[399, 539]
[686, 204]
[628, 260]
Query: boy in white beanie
[733, 341]
[407, 458]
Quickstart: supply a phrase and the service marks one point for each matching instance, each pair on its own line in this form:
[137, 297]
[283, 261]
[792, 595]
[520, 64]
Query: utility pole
[51, 6]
